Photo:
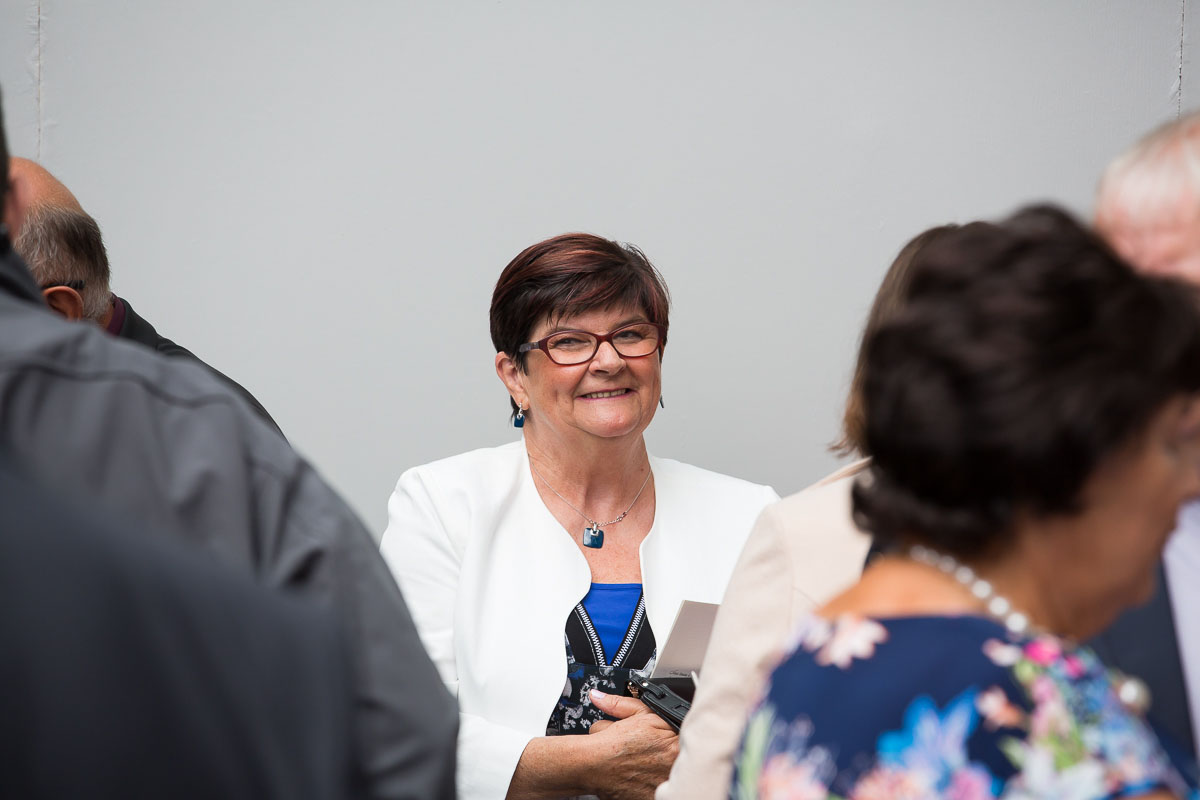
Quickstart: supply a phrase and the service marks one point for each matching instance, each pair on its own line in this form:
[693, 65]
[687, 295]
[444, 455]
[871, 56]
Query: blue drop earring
[519, 419]
[661, 404]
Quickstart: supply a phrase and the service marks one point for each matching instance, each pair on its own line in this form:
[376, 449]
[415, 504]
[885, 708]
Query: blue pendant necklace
[593, 534]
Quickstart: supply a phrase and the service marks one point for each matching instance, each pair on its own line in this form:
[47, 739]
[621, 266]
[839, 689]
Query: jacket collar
[15, 279]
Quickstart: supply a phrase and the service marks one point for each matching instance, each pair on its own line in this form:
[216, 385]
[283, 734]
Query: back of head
[1027, 352]
[63, 246]
[1152, 189]
[40, 185]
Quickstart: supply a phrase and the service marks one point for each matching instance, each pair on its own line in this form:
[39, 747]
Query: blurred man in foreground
[62, 246]
[168, 447]
[133, 669]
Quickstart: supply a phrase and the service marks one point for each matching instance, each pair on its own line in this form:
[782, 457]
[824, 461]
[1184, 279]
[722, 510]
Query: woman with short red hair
[539, 573]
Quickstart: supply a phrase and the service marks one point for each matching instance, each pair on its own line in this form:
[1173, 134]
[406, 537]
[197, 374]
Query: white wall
[19, 77]
[317, 197]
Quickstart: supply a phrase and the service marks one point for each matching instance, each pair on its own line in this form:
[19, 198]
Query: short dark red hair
[571, 274]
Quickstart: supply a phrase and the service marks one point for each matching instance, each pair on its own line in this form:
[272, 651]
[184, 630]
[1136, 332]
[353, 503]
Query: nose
[607, 359]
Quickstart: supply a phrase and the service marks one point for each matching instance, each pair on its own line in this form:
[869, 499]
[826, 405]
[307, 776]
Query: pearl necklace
[996, 604]
[1132, 691]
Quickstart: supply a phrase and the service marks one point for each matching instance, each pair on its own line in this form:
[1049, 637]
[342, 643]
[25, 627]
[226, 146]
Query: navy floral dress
[943, 707]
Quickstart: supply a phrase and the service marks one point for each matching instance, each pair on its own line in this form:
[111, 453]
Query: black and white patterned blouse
[587, 668]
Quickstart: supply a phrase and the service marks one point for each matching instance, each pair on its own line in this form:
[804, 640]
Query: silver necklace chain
[591, 521]
[1131, 690]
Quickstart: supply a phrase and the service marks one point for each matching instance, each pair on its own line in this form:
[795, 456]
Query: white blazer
[490, 577]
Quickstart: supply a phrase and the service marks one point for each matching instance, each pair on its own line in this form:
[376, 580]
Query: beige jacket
[802, 551]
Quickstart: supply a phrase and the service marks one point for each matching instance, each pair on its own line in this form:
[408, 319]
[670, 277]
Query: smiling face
[609, 397]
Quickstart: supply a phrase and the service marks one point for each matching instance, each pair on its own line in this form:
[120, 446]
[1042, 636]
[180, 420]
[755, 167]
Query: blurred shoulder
[814, 530]
[828, 497]
[844, 475]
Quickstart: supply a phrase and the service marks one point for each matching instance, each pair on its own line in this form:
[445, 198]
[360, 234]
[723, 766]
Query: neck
[1036, 584]
[597, 477]
[107, 318]
[1042, 584]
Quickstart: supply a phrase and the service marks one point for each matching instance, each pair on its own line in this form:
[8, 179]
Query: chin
[616, 433]
[615, 429]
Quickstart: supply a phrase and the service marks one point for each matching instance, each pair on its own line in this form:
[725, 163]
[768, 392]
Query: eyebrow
[563, 328]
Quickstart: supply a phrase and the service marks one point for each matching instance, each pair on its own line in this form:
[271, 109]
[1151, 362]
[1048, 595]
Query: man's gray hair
[63, 246]
[1153, 179]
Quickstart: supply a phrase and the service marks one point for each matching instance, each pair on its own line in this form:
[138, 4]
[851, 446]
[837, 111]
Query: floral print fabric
[943, 707]
[574, 713]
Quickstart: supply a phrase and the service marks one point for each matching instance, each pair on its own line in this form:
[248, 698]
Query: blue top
[609, 643]
[944, 706]
[611, 607]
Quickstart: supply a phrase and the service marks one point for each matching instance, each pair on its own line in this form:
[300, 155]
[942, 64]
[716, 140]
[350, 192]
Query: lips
[605, 394]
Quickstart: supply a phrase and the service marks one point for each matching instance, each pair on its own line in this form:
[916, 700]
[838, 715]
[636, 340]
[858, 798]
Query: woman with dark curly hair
[1034, 426]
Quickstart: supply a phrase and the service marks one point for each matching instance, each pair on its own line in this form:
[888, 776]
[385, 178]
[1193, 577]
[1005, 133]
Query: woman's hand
[622, 760]
[640, 749]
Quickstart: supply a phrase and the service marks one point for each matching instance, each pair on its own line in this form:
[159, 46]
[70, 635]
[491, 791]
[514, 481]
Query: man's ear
[510, 375]
[64, 301]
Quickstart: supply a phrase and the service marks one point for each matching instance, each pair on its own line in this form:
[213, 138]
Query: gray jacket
[163, 443]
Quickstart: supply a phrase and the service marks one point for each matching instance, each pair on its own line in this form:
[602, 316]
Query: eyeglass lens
[576, 347]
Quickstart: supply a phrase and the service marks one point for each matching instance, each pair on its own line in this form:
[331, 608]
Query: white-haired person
[1148, 209]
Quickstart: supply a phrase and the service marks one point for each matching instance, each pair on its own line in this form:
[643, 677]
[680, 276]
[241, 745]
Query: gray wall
[317, 197]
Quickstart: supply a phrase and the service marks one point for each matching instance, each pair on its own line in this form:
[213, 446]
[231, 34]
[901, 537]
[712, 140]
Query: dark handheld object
[662, 701]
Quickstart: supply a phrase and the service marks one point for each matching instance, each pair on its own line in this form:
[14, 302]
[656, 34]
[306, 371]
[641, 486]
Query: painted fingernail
[596, 695]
